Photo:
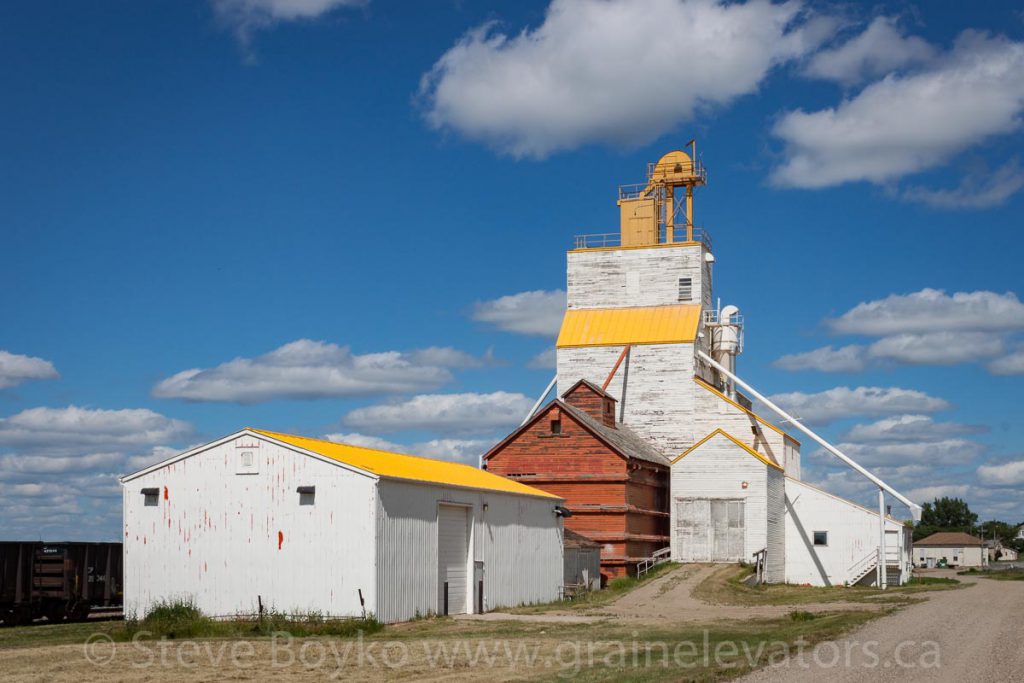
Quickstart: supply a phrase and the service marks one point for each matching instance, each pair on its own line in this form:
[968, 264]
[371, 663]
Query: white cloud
[16, 368]
[908, 428]
[447, 413]
[39, 464]
[1010, 364]
[826, 359]
[880, 49]
[843, 402]
[937, 348]
[536, 313]
[545, 360]
[932, 310]
[906, 124]
[456, 450]
[941, 452]
[621, 72]
[1007, 474]
[73, 429]
[979, 189]
[926, 494]
[247, 16]
[306, 369]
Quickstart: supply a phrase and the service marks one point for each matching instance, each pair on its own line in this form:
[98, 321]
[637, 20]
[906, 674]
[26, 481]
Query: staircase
[869, 564]
[647, 564]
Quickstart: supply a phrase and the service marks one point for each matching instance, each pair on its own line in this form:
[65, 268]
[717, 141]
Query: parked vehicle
[59, 581]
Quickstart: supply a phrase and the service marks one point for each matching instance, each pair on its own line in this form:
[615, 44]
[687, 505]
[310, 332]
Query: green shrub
[801, 615]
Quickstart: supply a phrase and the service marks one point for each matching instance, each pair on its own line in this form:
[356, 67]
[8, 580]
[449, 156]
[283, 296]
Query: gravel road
[972, 634]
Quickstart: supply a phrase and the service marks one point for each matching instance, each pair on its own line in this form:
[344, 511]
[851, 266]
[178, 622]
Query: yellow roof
[411, 467]
[749, 412]
[675, 324]
[763, 458]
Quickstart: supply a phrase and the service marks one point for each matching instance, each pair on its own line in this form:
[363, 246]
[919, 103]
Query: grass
[998, 575]
[615, 589]
[726, 586]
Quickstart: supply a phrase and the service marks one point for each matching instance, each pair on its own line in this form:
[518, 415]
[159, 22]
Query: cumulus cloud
[307, 369]
[247, 16]
[932, 310]
[937, 348]
[908, 428]
[537, 313]
[447, 413]
[979, 189]
[904, 124]
[826, 359]
[545, 360]
[926, 494]
[1010, 364]
[880, 49]
[16, 368]
[621, 72]
[1006, 474]
[842, 402]
[75, 429]
[941, 452]
[456, 450]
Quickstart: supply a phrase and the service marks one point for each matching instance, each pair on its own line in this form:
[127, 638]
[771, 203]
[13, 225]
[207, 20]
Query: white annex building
[301, 525]
[640, 321]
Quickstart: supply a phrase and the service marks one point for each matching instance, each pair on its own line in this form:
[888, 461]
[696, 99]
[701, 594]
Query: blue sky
[322, 216]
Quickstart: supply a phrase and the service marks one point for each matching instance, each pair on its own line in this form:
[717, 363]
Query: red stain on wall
[280, 539]
[165, 493]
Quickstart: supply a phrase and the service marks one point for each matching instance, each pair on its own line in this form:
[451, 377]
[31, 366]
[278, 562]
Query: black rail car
[58, 581]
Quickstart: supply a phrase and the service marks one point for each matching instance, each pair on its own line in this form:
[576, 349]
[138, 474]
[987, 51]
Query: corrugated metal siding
[518, 538]
[224, 538]
[619, 326]
[775, 571]
[717, 469]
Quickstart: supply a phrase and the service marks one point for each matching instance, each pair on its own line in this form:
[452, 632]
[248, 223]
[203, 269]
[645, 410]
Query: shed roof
[571, 539]
[408, 467]
[945, 539]
[675, 324]
[621, 438]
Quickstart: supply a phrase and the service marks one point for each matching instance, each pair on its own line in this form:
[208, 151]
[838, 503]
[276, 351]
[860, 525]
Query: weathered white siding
[775, 570]
[646, 276]
[852, 536]
[518, 539]
[712, 411]
[718, 468]
[792, 457]
[223, 538]
[657, 402]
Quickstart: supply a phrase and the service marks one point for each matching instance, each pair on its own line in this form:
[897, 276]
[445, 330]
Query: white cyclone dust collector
[726, 326]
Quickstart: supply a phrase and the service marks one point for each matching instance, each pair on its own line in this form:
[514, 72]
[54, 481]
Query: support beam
[533, 410]
[881, 543]
[608, 380]
[915, 509]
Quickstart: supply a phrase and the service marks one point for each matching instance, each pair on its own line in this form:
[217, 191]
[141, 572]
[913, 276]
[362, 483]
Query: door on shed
[709, 529]
[452, 558]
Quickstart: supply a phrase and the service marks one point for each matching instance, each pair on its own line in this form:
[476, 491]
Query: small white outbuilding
[303, 525]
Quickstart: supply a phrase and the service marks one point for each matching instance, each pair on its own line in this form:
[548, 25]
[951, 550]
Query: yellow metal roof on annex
[676, 324]
[410, 467]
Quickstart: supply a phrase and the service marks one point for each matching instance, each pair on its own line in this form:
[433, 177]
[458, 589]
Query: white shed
[304, 525]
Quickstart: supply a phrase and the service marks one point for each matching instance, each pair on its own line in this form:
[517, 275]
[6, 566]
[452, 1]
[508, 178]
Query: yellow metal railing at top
[604, 240]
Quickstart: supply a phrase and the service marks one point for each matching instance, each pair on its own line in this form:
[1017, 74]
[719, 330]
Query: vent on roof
[247, 463]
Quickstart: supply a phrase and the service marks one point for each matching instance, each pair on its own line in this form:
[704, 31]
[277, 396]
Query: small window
[556, 426]
[307, 495]
[151, 497]
[247, 463]
[820, 538]
[685, 289]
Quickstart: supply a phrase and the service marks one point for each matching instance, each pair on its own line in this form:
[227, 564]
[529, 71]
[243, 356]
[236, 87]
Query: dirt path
[961, 635]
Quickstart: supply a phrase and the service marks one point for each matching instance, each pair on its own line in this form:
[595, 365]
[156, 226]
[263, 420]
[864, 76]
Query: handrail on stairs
[760, 565]
[862, 567]
[648, 563]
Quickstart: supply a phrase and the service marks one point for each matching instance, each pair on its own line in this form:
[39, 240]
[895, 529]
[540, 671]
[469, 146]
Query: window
[151, 497]
[686, 289]
[307, 495]
[247, 463]
[556, 426]
[820, 538]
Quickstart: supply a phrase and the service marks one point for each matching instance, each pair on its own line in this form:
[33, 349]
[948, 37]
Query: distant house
[951, 548]
[997, 551]
[1020, 533]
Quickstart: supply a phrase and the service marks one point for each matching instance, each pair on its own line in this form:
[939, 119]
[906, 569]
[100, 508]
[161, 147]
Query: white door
[710, 530]
[452, 557]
